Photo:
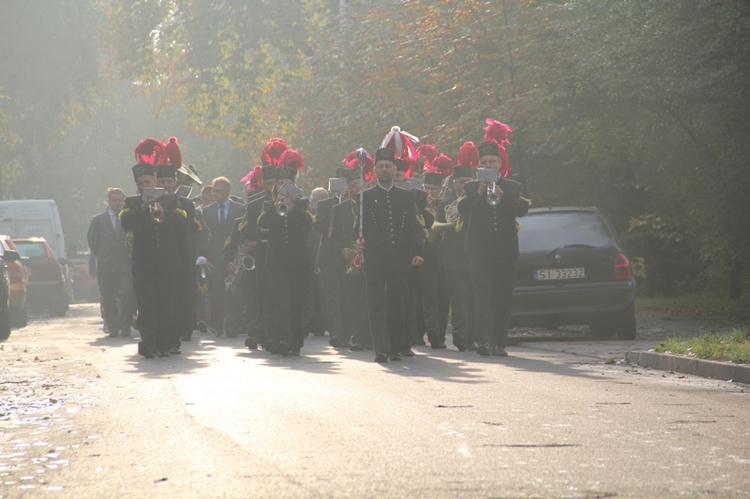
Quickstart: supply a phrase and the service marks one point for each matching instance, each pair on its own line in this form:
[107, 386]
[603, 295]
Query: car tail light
[621, 271]
[14, 275]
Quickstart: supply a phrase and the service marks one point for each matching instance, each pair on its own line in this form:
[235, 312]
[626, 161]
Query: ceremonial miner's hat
[433, 178]
[385, 154]
[489, 149]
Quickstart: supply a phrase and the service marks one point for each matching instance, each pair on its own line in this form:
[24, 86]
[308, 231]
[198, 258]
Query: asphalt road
[81, 415]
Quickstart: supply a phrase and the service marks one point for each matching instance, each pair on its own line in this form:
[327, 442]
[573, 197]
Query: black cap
[433, 178]
[143, 169]
[342, 172]
[488, 149]
[285, 172]
[352, 174]
[269, 172]
[166, 171]
[463, 171]
[383, 154]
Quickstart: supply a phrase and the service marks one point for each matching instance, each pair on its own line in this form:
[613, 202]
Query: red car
[49, 287]
[19, 283]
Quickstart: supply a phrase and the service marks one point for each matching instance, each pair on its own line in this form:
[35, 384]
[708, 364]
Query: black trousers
[385, 305]
[217, 291]
[114, 286]
[458, 283]
[155, 296]
[331, 283]
[287, 286]
[187, 298]
[354, 321]
[493, 292]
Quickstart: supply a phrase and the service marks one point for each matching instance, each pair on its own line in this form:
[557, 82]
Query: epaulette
[197, 223]
[182, 212]
[124, 210]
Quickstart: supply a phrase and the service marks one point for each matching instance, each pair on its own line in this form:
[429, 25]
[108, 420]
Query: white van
[21, 218]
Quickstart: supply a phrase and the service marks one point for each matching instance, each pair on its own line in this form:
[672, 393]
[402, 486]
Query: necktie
[222, 217]
[118, 226]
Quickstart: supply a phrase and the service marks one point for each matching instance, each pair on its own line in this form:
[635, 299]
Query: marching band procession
[402, 243]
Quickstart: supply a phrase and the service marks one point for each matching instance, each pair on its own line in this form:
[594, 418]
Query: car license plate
[558, 274]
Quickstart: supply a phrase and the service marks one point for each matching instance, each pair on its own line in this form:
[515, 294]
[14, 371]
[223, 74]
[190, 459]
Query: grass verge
[733, 346]
[697, 304]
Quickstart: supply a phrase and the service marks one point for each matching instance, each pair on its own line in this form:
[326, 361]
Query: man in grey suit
[107, 243]
[218, 218]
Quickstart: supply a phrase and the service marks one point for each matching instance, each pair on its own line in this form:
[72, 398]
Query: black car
[8, 256]
[573, 270]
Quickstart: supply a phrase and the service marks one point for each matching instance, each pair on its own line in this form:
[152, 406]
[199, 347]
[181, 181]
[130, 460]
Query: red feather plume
[292, 159]
[496, 131]
[272, 151]
[150, 151]
[401, 143]
[429, 153]
[468, 155]
[352, 161]
[173, 156]
[442, 165]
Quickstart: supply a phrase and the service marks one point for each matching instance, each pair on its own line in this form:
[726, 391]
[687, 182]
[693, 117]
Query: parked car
[8, 257]
[573, 270]
[85, 286]
[19, 283]
[49, 287]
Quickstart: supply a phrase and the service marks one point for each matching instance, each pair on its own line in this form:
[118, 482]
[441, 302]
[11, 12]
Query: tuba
[243, 262]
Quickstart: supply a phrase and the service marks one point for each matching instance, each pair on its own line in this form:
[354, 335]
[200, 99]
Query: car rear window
[549, 230]
[31, 250]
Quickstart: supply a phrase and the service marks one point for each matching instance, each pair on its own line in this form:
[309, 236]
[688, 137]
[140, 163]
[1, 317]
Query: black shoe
[432, 336]
[381, 357]
[293, 352]
[201, 326]
[125, 332]
[162, 352]
[282, 349]
[438, 345]
[458, 342]
[395, 357]
[472, 346]
[251, 343]
[357, 347]
[112, 334]
[335, 342]
[145, 350]
[175, 350]
[219, 332]
[407, 352]
[483, 350]
[499, 352]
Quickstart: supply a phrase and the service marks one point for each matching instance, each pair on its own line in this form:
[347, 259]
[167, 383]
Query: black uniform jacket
[392, 234]
[287, 236]
[155, 245]
[492, 232]
[324, 254]
[343, 218]
[454, 243]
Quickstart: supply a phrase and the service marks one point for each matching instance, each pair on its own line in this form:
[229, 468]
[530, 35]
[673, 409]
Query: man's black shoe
[357, 347]
[472, 346]
[125, 332]
[293, 352]
[395, 357]
[499, 352]
[282, 349]
[438, 345]
[251, 343]
[458, 342]
[162, 352]
[335, 342]
[201, 326]
[175, 350]
[483, 350]
[145, 350]
[381, 357]
[407, 352]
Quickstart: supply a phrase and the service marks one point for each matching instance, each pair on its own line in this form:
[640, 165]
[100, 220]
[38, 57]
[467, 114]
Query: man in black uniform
[455, 262]
[492, 248]
[192, 245]
[391, 242]
[259, 299]
[353, 307]
[330, 265]
[157, 228]
[288, 261]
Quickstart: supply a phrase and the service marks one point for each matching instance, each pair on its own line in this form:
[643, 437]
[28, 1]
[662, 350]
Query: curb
[687, 365]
